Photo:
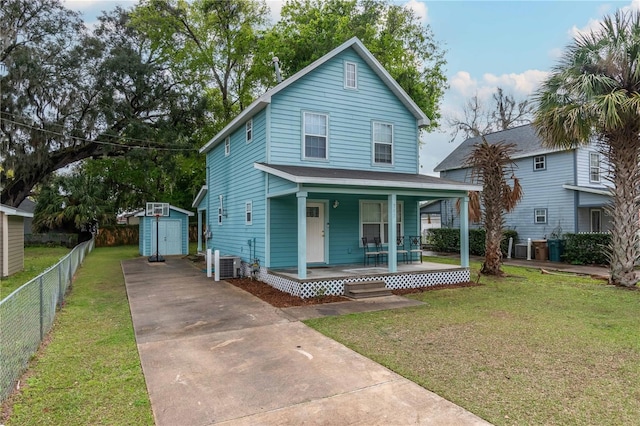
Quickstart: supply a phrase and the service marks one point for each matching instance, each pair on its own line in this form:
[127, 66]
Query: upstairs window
[249, 130]
[315, 135]
[539, 162]
[350, 75]
[594, 167]
[227, 146]
[382, 143]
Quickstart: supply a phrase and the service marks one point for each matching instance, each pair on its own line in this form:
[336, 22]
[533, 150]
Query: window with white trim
[539, 162]
[594, 167]
[248, 213]
[227, 146]
[540, 215]
[315, 135]
[382, 143]
[374, 220]
[350, 75]
[249, 130]
[220, 209]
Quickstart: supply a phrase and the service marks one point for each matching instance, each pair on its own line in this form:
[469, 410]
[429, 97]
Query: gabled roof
[201, 194]
[178, 209]
[265, 99]
[526, 140]
[12, 211]
[365, 178]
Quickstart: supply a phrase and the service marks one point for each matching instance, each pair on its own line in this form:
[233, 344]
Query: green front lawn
[36, 261]
[528, 349]
[90, 372]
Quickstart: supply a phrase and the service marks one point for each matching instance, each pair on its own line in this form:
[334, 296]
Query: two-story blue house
[565, 190]
[326, 157]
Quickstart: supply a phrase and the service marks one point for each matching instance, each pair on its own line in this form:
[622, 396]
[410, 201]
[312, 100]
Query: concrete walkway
[214, 354]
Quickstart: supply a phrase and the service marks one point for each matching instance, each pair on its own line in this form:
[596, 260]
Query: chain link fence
[27, 314]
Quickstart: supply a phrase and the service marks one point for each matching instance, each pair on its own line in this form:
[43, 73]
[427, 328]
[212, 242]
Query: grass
[527, 349]
[90, 371]
[36, 261]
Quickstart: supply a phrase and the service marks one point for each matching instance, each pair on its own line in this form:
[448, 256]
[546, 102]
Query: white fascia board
[305, 180]
[199, 196]
[12, 211]
[605, 192]
[178, 209]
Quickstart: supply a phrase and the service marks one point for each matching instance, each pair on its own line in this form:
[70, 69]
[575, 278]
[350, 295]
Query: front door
[315, 233]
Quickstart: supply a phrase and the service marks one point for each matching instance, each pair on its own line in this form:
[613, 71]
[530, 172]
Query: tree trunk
[624, 153]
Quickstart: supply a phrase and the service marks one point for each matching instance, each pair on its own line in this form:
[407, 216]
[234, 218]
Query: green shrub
[447, 240]
[586, 249]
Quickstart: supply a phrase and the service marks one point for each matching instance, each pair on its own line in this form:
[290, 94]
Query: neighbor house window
[382, 143]
[315, 135]
[249, 130]
[539, 162]
[374, 220]
[227, 146]
[350, 75]
[540, 215]
[248, 215]
[221, 212]
[594, 167]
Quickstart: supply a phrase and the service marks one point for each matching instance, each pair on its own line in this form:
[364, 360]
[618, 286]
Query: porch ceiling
[363, 178]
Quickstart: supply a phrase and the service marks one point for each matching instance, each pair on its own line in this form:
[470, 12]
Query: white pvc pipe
[510, 246]
[528, 248]
[209, 258]
[216, 265]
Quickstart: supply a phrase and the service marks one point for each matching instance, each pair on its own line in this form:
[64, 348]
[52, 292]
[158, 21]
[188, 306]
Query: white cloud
[275, 8]
[83, 5]
[522, 84]
[420, 9]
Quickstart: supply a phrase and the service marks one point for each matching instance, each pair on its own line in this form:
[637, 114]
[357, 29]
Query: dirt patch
[278, 298]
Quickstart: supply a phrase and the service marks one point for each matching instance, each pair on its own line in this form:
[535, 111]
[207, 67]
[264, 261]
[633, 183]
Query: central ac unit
[229, 266]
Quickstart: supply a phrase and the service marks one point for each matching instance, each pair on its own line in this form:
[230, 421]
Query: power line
[80, 139]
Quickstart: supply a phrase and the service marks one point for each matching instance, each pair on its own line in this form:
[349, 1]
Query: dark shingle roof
[524, 137]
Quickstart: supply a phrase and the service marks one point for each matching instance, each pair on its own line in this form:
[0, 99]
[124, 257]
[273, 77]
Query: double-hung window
[227, 146]
[539, 162]
[248, 213]
[221, 212]
[382, 143]
[315, 135]
[594, 167]
[540, 215]
[374, 220]
[249, 130]
[350, 75]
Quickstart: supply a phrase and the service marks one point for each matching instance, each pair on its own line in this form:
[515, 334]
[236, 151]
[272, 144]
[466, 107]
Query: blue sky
[511, 44]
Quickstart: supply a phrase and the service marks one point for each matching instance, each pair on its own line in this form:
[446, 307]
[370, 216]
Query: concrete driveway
[214, 354]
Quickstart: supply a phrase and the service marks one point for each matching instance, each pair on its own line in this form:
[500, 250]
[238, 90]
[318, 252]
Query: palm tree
[492, 167]
[594, 94]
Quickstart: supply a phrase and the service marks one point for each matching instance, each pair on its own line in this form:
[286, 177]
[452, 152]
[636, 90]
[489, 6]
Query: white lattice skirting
[336, 286]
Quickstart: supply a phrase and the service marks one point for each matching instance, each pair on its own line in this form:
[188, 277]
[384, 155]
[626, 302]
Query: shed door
[170, 237]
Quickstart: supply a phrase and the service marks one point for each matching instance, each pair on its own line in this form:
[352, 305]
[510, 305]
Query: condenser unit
[229, 266]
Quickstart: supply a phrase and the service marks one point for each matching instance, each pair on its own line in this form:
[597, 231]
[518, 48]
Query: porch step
[366, 289]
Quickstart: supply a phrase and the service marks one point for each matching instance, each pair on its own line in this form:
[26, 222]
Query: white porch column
[199, 231]
[392, 247]
[302, 235]
[464, 232]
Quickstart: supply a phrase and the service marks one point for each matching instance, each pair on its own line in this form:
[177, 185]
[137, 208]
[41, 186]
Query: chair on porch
[381, 251]
[368, 253]
[401, 250]
[415, 246]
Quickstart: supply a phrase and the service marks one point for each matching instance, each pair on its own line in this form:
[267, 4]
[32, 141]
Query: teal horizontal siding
[350, 112]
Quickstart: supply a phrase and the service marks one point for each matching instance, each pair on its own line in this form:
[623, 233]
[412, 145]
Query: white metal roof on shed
[178, 209]
[12, 211]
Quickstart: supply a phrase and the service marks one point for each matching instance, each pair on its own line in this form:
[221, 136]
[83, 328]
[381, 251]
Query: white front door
[315, 233]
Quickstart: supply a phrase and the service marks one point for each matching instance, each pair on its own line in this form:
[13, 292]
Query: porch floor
[315, 273]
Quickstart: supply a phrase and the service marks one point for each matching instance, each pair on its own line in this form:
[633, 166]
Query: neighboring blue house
[565, 190]
[172, 231]
[326, 157]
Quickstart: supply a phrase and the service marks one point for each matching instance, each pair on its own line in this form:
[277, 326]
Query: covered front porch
[319, 218]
